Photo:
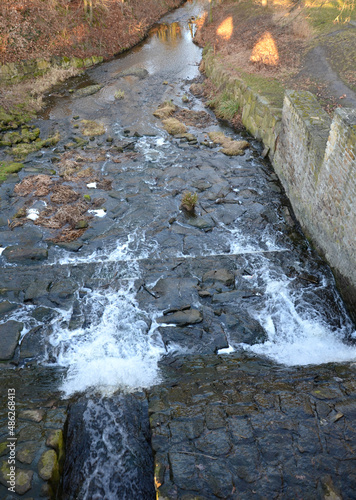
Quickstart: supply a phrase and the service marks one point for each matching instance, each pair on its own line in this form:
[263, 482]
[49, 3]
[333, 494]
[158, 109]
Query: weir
[161, 353]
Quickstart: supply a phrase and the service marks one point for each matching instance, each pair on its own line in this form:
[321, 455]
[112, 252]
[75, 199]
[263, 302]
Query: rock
[33, 415]
[26, 452]
[71, 246]
[174, 126]
[86, 91]
[38, 288]
[24, 255]
[81, 224]
[55, 441]
[23, 480]
[9, 336]
[200, 222]
[138, 72]
[48, 466]
[7, 306]
[182, 318]
[43, 314]
[222, 276]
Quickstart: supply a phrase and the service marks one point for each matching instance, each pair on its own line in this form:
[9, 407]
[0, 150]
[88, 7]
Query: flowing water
[142, 255]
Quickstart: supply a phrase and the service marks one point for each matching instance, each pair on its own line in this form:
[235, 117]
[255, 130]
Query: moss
[24, 149]
[20, 213]
[55, 440]
[79, 142]
[29, 135]
[12, 138]
[87, 197]
[120, 94]
[90, 128]
[48, 466]
[174, 126]
[7, 168]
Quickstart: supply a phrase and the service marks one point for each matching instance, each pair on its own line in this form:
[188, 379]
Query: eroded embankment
[315, 159]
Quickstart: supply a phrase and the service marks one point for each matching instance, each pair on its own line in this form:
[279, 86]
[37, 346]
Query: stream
[206, 355]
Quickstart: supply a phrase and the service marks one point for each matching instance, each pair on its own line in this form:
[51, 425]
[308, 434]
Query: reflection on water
[167, 32]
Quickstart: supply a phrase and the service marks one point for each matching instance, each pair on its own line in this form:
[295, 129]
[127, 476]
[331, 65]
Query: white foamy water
[32, 213]
[116, 350]
[299, 334]
[97, 213]
[135, 248]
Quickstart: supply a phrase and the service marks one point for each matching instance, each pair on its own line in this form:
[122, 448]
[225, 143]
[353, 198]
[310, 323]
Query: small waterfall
[109, 445]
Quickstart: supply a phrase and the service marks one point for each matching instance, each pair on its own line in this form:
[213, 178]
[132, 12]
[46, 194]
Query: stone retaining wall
[16, 72]
[314, 158]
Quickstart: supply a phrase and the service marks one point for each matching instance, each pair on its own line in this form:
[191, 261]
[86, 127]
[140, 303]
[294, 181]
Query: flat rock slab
[9, 336]
[231, 426]
[24, 255]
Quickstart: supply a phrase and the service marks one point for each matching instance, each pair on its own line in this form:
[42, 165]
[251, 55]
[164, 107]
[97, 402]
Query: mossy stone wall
[262, 120]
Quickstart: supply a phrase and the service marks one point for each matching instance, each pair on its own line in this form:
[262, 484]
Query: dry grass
[29, 94]
[92, 128]
[174, 126]
[65, 215]
[63, 194]
[37, 185]
[164, 110]
[229, 146]
[67, 235]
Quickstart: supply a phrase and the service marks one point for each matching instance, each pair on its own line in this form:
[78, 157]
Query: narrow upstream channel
[224, 327]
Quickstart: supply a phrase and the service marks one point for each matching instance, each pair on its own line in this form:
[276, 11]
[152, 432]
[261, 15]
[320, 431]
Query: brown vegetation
[31, 29]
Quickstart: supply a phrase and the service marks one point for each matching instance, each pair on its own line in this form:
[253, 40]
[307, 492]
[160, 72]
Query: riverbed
[200, 355]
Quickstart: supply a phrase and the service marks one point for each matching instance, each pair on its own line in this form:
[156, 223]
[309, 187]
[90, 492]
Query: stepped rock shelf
[160, 348]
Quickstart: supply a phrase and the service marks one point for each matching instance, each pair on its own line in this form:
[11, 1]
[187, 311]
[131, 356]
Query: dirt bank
[30, 29]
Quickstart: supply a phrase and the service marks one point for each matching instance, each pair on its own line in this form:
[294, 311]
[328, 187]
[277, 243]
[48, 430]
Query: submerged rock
[86, 91]
[139, 72]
